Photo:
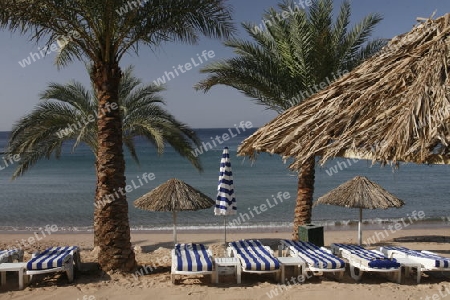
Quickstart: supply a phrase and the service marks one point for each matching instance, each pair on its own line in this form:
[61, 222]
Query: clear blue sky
[222, 106]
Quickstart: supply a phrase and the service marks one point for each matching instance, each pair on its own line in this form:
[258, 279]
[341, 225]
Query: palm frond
[67, 115]
[285, 61]
[103, 31]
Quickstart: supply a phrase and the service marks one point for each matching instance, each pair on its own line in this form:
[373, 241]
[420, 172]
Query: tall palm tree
[67, 115]
[100, 33]
[294, 54]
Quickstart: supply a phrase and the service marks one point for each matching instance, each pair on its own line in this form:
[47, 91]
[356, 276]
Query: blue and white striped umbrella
[225, 201]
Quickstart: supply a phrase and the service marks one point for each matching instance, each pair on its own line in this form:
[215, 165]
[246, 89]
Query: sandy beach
[154, 250]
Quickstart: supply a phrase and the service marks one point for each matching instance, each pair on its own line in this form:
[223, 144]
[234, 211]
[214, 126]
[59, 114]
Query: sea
[61, 191]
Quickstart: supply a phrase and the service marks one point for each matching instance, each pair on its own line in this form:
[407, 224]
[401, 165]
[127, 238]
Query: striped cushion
[375, 260]
[314, 256]
[6, 254]
[254, 257]
[63, 249]
[53, 257]
[193, 257]
[439, 261]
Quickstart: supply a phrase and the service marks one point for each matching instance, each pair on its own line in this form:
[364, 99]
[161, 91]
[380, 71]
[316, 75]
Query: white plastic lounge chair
[254, 257]
[318, 260]
[191, 259]
[429, 261]
[9, 256]
[54, 259]
[363, 260]
[11, 260]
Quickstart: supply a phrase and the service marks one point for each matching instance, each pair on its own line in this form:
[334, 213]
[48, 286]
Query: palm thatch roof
[394, 107]
[174, 195]
[360, 192]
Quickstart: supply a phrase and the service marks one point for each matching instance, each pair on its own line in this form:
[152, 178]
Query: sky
[222, 106]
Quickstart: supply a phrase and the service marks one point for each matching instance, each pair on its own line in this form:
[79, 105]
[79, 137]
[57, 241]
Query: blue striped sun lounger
[54, 259]
[254, 256]
[10, 255]
[361, 259]
[317, 259]
[428, 261]
[191, 259]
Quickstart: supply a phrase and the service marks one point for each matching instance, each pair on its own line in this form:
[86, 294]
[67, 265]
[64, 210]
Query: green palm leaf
[67, 116]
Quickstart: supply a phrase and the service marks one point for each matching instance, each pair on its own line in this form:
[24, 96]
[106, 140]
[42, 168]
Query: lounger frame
[359, 265]
[427, 264]
[174, 272]
[9, 256]
[310, 268]
[70, 260]
[232, 252]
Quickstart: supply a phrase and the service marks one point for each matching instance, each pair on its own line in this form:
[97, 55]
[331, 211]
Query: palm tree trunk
[111, 225]
[305, 191]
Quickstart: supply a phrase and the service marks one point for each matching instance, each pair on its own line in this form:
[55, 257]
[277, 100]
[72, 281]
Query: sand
[153, 250]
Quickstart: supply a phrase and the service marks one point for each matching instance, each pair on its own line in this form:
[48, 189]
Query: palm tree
[100, 33]
[43, 131]
[295, 53]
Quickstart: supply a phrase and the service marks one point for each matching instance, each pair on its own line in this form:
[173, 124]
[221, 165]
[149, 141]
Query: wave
[254, 227]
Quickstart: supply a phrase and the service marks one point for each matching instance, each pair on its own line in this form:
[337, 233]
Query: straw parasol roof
[174, 195]
[360, 193]
[394, 107]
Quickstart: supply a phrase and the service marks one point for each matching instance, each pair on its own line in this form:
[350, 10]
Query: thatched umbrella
[360, 193]
[394, 107]
[174, 195]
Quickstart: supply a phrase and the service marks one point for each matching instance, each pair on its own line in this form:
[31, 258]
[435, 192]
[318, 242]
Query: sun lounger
[428, 261]
[317, 260]
[11, 260]
[254, 257]
[54, 259]
[9, 256]
[191, 259]
[363, 260]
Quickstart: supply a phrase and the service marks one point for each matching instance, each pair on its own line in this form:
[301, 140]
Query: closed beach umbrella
[360, 193]
[174, 195]
[225, 201]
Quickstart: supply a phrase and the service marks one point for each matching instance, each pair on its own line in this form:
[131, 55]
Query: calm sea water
[61, 191]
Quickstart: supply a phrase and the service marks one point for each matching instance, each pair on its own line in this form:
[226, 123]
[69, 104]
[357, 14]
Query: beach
[153, 281]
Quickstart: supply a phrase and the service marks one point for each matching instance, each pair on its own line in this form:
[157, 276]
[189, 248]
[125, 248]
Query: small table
[228, 262]
[17, 267]
[290, 261]
[409, 264]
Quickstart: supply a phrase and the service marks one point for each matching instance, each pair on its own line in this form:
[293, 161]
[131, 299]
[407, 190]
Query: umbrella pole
[225, 224]
[359, 227]
[174, 227]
